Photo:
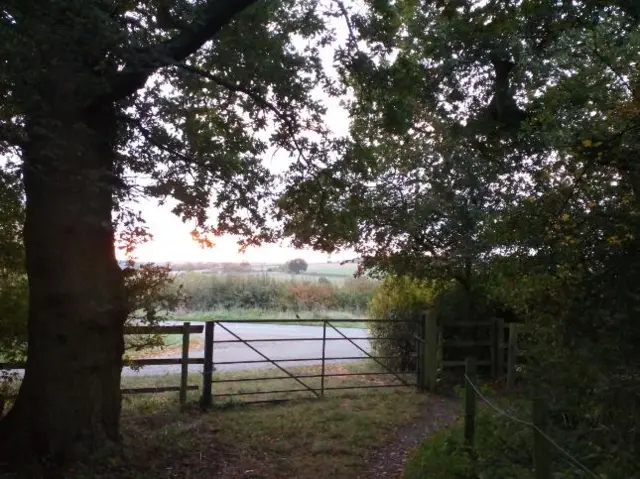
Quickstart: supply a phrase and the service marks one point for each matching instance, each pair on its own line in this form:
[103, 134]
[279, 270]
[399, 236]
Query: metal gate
[220, 333]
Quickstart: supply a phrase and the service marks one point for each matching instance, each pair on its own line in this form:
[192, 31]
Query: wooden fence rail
[186, 329]
[503, 355]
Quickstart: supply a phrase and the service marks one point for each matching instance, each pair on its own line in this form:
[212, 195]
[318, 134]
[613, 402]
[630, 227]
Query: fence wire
[504, 413]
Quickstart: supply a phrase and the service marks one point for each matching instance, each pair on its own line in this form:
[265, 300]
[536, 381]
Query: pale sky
[172, 242]
[172, 238]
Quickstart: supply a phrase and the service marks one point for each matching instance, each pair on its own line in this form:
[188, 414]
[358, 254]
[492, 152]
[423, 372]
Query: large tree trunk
[69, 402]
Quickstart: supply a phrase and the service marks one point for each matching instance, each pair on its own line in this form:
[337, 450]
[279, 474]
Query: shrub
[502, 449]
[402, 300]
[150, 298]
[312, 296]
[13, 317]
[208, 292]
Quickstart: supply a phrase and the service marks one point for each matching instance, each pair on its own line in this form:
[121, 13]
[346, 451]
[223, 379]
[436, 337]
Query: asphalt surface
[302, 344]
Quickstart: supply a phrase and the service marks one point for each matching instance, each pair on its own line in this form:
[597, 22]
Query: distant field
[275, 316]
[312, 277]
[332, 269]
[334, 272]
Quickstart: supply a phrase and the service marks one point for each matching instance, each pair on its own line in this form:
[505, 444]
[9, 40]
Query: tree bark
[69, 402]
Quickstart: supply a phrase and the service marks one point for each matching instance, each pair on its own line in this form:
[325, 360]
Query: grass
[501, 450]
[316, 317]
[320, 269]
[332, 269]
[330, 437]
[236, 391]
[334, 278]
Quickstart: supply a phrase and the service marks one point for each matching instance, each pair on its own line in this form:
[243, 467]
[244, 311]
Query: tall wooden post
[469, 401]
[541, 446]
[430, 353]
[420, 341]
[184, 372]
[207, 371]
[324, 353]
[499, 325]
[512, 354]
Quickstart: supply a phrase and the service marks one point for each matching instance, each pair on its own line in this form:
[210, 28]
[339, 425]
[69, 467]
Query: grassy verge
[498, 452]
[330, 437]
[503, 448]
[275, 316]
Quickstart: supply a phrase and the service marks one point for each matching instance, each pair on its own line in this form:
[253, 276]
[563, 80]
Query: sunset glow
[173, 242]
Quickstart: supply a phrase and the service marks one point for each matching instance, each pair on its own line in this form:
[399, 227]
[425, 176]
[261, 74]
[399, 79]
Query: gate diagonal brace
[370, 357]
[269, 359]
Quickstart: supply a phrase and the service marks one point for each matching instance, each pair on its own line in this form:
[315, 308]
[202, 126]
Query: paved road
[309, 346]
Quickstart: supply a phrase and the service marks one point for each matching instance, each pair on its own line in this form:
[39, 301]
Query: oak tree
[106, 101]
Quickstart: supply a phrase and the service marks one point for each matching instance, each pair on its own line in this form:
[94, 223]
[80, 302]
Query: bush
[311, 296]
[402, 300]
[502, 449]
[209, 292]
[13, 317]
[150, 298]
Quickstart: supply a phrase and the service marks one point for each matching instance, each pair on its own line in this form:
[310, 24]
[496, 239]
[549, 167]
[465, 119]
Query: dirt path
[389, 460]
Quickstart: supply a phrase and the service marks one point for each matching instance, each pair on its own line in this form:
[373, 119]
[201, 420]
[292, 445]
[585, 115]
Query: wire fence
[541, 454]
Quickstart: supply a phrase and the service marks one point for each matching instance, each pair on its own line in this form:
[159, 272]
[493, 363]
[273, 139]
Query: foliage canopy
[495, 144]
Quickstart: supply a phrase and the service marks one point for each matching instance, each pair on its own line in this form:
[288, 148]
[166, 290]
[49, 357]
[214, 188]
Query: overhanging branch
[255, 96]
[235, 87]
[148, 135]
[216, 14]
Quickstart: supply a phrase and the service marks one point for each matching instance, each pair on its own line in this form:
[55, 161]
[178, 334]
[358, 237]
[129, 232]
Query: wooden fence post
[541, 446]
[430, 351]
[324, 355]
[499, 325]
[512, 354]
[469, 401]
[420, 341]
[207, 371]
[184, 373]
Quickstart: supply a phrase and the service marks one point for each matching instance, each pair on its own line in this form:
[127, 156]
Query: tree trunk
[69, 402]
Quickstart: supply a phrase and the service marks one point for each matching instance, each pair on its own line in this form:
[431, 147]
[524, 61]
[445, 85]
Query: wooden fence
[502, 349]
[186, 329]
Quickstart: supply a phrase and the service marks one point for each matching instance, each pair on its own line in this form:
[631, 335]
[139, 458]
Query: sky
[172, 242]
[172, 238]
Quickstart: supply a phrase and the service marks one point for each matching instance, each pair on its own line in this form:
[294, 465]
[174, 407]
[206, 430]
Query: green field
[312, 277]
[276, 316]
[332, 269]
[334, 272]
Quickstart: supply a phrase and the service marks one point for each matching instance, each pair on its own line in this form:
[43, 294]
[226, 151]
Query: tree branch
[148, 135]
[237, 88]
[353, 42]
[216, 15]
[256, 97]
